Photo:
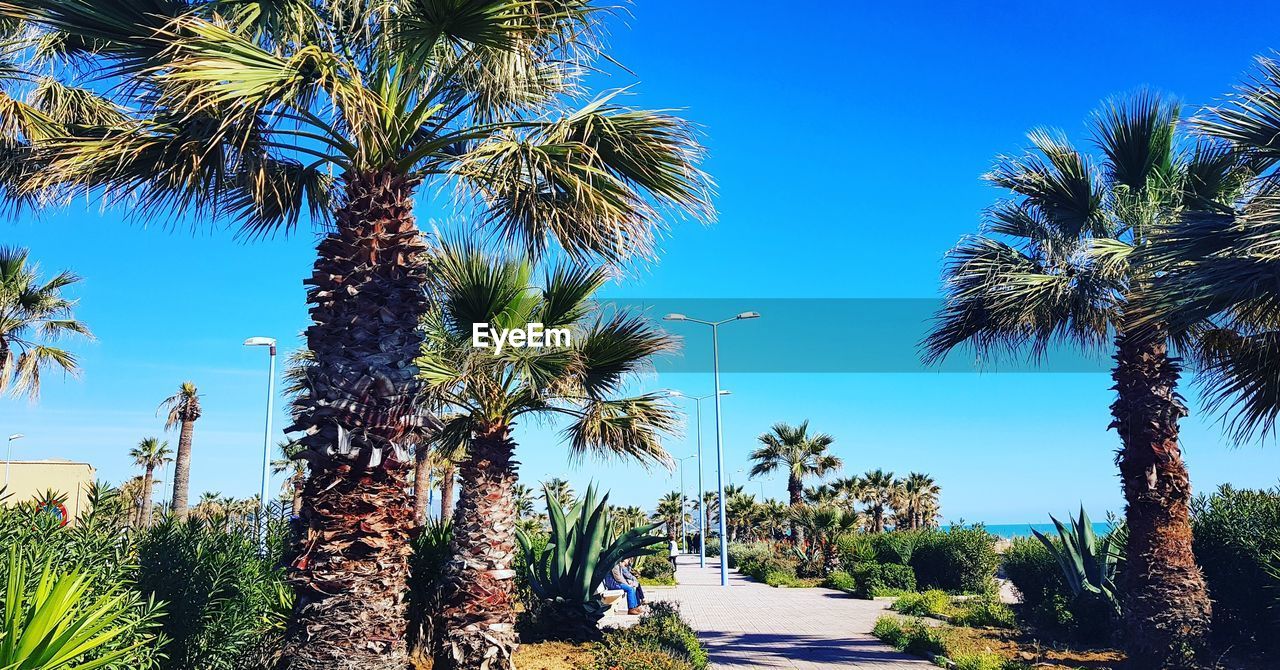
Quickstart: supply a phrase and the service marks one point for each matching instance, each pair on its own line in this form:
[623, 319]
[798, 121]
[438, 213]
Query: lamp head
[674, 394]
[260, 342]
[726, 393]
[749, 315]
[16, 436]
[675, 317]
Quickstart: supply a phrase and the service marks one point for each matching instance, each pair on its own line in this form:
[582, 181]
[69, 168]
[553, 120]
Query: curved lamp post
[702, 508]
[266, 436]
[715, 366]
[9, 456]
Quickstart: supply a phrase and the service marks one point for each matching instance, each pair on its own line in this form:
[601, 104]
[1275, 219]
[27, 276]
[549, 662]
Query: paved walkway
[750, 625]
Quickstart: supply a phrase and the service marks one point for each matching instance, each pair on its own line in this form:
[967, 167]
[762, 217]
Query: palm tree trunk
[478, 614]
[147, 484]
[359, 412]
[795, 489]
[299, 482]
[182, 470]
[1165, 602]
[421, 484]
[448, 480]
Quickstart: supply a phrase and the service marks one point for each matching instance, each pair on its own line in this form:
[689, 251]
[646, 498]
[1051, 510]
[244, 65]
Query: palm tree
[488, 390]
[560, 490]
[825, 526]
[182, 409]
[1057, 266]
[297, 469]
[822, 495]
[801, 454]
[628, 517]
[525, 502]
[209, 506]
[343, 112]
[848, 493]
[33, 313]
[151, 453]
[879, 489]
[775, 517]
[918, 503]
[709, 510]
[740, 512]
[670, 512]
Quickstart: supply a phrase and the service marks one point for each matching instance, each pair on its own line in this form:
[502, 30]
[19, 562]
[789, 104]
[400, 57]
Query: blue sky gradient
[847, 143]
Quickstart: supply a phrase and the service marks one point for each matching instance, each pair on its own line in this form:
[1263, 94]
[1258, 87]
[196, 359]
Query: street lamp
[9, 456]
[684, 527]
[702, 511]
[715, 366]
[266, 436]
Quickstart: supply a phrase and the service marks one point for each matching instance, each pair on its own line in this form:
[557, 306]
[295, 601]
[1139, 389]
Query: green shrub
[929, 603]
[888, 629]
[662, 640]
[874, 579]
[984, 662]
[855, 549]
[426, 564]
[744, 554]
[985, 610]
[1237, 543]
[896, 547]
[759, 560]
[656, 568]
[841, 581]
[222, 599]
[961, 559]
[914, 636]
[1034, 572]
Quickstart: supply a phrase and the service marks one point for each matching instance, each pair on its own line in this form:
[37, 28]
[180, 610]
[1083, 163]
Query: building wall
[30, 479]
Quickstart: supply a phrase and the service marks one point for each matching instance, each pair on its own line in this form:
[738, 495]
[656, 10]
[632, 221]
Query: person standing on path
[673, 550]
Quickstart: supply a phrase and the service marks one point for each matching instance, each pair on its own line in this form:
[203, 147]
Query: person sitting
[615, 580]
[629, 577]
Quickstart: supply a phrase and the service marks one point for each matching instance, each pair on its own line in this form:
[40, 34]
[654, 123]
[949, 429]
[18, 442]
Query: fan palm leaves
[486, 391]
[917, 504]
[560, 490]
[672, 514]
[802, 456]
[182, 410]
[1056, 266]
[151, 453]
[879, 491]
[33, 315]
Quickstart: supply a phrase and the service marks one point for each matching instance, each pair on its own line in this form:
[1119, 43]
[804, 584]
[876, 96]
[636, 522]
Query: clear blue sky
[847, 142]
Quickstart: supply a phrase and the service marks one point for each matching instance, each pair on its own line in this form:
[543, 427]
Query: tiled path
[750, 625]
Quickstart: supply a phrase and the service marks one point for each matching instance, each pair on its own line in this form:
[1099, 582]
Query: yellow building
[30, 479]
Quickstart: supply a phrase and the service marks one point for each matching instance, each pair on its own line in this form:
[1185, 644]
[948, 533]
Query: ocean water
[1012, 530]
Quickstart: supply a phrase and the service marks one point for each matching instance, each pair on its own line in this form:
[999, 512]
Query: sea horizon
[1009, 531]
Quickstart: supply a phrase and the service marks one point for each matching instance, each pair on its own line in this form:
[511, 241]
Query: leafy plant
[663, 630]
[581, 550]
[985, 610]
[959, 559]
[1237, 539]
[426, 564]
[60, 624]
[929, 603]
[1087, 562]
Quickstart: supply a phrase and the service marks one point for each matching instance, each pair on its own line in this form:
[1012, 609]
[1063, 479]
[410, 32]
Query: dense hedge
[1046, 599]
[956, 560]
[1237, 543]
[660, 641]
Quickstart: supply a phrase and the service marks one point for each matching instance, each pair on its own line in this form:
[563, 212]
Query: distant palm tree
[879, 490]
[182, 409]
[775, 517]
[560, 490]
[917, 504]
[33, 314]
[848, 493]
[209, 506]
[822, 495]
[826, 525]
[671, 512]
[801, 454]
[526, 503]
[1070, 262]
[584, 379]
[629, 517]
[297, 469]
[741, 514]
[150, 454]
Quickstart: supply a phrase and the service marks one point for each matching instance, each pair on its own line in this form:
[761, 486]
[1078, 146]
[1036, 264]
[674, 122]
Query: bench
[616, 600]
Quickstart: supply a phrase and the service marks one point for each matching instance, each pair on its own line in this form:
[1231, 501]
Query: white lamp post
[266, 436]
[715, 366]
[9, 456]
[684, 527]
[702, 511]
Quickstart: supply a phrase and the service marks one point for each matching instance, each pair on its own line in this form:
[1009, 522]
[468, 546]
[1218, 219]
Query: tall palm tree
[879, 490]
[1057, 267]
[741, 512]
[628, 517]
[822, 495]
[33, 314]
[671, 513]
[918, 502]
[560, 490]
[151, 453]
[343, 112]
[802, 455]
[709, 511]
[182, 409]
[488, 390]
[525, 503]
[297, 469]
[848, 492]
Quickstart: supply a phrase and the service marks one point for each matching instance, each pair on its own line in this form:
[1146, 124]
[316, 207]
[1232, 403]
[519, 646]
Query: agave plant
[582, 549]
[1087, 562]
[58, 627]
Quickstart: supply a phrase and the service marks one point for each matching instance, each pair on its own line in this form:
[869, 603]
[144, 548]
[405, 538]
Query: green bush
[985, 610]
[763, 563]
[1046, 600]
[888, 629]
[656, 568]
[1237, 543]
[984, 662]
[959, 560]
[875, 579]
[896, 547]
[841, 581]
[749, 553]
[662, 640]
[929, 603]
[914, 636]
[222, 599]
[426, 564]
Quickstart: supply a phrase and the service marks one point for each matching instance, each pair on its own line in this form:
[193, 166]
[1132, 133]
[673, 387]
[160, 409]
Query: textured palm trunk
[299, 483]
[448, 482]
[421, 484]
[795, 489]
[148, 482]
[1165, 602]
[359, 412]
[182, 469]
[477, 620]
